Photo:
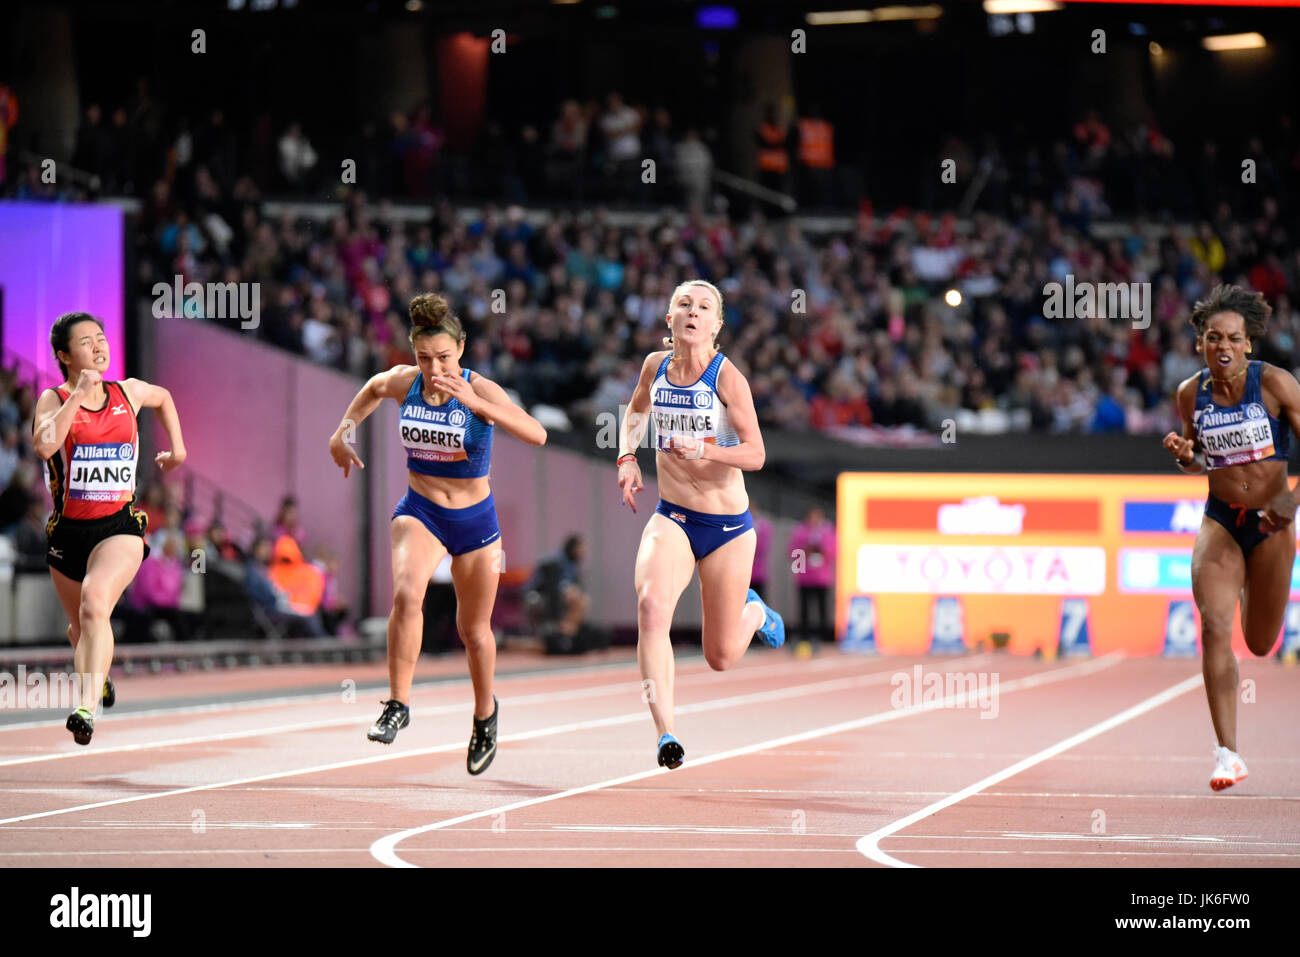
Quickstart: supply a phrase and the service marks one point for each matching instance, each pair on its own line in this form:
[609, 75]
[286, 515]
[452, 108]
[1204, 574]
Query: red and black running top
[93, 474]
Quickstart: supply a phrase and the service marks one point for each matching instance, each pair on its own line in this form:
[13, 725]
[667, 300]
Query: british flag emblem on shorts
[677, 516]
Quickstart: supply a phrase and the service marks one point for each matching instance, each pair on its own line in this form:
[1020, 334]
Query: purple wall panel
[257, 422]
[57, 258]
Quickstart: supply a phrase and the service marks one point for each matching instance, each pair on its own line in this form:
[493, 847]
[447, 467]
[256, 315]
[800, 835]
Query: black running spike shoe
[82, 725]
[110, 693]
[483, 742]
[392, 719]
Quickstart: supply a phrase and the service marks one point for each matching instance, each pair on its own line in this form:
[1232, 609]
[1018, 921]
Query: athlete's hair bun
[429, 310]
[431, 314]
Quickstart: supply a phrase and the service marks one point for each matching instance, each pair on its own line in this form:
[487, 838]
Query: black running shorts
[68, 547]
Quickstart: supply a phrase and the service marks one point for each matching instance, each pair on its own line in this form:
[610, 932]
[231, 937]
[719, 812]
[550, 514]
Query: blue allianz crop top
[1241, 433]
[448, 440]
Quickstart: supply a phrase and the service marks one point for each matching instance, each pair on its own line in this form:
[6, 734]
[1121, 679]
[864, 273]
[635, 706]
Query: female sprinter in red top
[86, 432]
[707, 435]
[1236, 414]
[447, 414]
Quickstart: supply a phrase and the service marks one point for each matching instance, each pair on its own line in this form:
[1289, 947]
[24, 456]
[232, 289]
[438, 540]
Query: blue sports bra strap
[1254, 383]
[465, 373]
[664, 365]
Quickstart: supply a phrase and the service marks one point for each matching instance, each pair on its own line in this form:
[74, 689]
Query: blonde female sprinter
[706, 437]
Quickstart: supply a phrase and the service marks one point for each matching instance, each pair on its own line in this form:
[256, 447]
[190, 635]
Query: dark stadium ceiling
[481, 16]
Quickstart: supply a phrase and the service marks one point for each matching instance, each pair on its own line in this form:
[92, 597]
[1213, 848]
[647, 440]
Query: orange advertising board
[1077, 562]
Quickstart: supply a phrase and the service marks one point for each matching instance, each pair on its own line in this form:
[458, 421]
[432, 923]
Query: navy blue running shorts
[707, 533]
[460, 530]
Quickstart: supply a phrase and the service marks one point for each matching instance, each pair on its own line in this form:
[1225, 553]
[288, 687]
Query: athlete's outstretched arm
[750, 454]
[1183, 447]
[148, 396]
[490, 403]
[392, 384]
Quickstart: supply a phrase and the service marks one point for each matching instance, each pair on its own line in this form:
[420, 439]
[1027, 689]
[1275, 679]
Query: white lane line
[385, 852]
[869, 845]
[429, 685]
[819, 687]
[572, 694]
[1074, 853]
[466, 850]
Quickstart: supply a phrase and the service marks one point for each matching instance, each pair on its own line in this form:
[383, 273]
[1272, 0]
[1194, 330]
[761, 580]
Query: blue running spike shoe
[773, 630]
[671, 752]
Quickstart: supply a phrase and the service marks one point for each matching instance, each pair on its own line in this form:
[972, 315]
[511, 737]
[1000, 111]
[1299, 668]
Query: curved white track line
[869, 845]
[384, 849]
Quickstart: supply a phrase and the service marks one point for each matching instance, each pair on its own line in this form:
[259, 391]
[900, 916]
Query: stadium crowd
[836, 328]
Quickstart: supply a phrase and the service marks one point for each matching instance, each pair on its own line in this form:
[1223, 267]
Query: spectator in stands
[9, 455]
[155, 595]
[297, 158]
[171, 530]
[773, 142]
[812, 547]
[271, 600]
[300, 582]
[621, 126]
[694, 170]
[558, 599]
[286, 520]
[30, 540]
[18, 496]
[222, 545]
[568, 150]
[333, 607]
[816, 156]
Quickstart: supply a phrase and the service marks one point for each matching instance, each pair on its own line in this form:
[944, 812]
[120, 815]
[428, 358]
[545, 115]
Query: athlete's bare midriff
[1252, 484]
[450, 492]
[701, 486]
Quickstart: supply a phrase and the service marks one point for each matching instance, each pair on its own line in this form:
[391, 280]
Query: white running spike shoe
[1228, 769]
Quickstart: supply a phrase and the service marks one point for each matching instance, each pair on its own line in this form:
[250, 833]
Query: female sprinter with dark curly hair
[447, 415]
[1235, 415]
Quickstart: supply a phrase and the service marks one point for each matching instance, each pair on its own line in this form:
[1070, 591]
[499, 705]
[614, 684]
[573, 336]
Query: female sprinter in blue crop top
[706, 436]
[447, 414]
[1235, 417]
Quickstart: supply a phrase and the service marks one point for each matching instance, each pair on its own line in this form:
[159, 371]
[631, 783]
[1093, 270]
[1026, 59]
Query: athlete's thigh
[475, 576]
[69, 593]
[1268, 585]
[1218, 571]
[724, 584]
[664, 560]
[416, 553]
[111, 566]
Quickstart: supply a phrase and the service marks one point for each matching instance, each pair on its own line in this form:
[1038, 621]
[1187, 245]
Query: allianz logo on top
[1177, 517]
[983, 515]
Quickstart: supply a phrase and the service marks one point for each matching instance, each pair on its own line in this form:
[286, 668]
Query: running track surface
[823, 762]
